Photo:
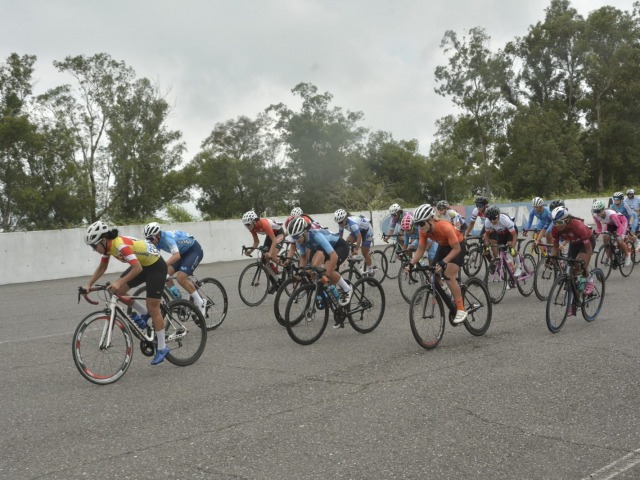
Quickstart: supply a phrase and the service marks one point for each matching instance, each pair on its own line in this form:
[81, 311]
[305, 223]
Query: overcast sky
[219, 60]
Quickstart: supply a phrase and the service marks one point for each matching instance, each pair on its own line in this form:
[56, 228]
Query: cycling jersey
[615, 221]
[355, 227]
[175, 241]
[452, 216]
[544, 219]
[634, 203]
[131, 250]
[502, 226]
[443, 233]
[477, 213]
[395, 219]
[574, 232]
[320, 239]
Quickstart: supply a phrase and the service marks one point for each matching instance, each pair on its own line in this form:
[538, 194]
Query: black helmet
[492, 212]
[482, 200]
[555, 204]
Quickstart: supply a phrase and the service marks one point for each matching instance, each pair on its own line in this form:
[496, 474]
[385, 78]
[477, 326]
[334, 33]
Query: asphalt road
[517, 403]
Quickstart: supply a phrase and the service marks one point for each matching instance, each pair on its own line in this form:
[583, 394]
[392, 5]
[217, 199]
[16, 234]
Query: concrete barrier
[54, 254]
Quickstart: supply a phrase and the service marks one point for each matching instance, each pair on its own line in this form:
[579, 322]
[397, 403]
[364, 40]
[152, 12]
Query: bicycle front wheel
[409, 282]
[625, 270]
[558, 303]
[473, 262]
[478, 307]
[304, 320]
[217, 303]
[426, 317]
[592, 303]
[185, 332]
[253, 284]
[100, 362]
[604, 260]
[366, 308]
[280, 302]
[496, 281]
[379, 264]
[544, 279]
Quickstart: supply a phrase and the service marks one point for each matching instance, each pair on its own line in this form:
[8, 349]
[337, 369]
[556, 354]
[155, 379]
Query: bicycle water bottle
[320, 301]
[274, 269]
[334, 290]
[175, 292]
[581, 282]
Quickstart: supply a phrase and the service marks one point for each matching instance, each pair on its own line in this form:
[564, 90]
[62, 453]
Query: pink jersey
[611, 218]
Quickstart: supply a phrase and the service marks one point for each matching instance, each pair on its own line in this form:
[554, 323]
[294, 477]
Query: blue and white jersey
[544, 219]
[353, 226]
[320, 239]
[634, 203]
[623, 209]
[175, 241]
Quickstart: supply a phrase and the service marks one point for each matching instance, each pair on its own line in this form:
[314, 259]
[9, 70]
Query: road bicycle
[566, 296]
[307, 312]
[295, 278]
[427, 308]
[409, 281]
[537, 251]
[211, 291]
[102, 345]
[260, 278]
[611, 257]
[500, 275]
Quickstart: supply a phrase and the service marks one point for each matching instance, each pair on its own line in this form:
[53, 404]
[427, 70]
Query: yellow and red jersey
[131, 250]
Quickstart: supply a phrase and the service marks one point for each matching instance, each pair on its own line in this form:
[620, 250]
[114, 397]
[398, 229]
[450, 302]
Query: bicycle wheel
[217, 303]
[282, 296]
[530, 249]
[473, 262]
[304, 321]
[379, 264]
[351, 273]
[426, 317]
[625, 270]
[558, 303]
[409, 282]
[367, 305]
[603, 262]
[478, 306]
[526, 280]
[496, 281]
[185, 332]
[392, 262]
[592, 303]
[253, 284]
[97, 362]
[544, 279]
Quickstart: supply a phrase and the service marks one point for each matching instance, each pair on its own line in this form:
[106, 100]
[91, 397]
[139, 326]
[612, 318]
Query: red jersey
[443, 233]
[576, 231]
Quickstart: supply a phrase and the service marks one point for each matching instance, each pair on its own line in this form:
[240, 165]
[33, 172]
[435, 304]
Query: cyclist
[446, 213]
[322, 247]
[273, 232]
[623, 208]
[186, 254]
[634, 204]
[478, 211]
[412, 237]
[396, 213]
[505, 233]
[581, 242]
[543, 214]
[360, 234]
[449, 254]
[616, 223]
[146, 265]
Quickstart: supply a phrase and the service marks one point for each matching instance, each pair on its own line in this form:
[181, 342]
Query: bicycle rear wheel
[544, 279]
[478, 306]
[366, 308]
[603, 260]
[185, 332]
[558, 303]
[496, 281]
[525, 285]
[217, 303]
[96, 361]
[280, 302]
[625, 270]
[253, 284]
[592, 303]
[379, 264]
[304, 321]
[426, 317]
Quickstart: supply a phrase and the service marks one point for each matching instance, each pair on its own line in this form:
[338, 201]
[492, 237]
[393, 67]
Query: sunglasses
[597, 211]
[559, 222]
[151, 239]
[420, 224]
[94, 246]
[479, 205]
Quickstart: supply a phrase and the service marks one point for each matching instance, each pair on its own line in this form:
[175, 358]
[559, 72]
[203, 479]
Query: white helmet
[151, 229]
[340, 215]
[537, 202]
[631, 192]
[297, 226]
[560, 213]
[423, 213]
[395, 208]
[95, 232]
[249, 217]
[296, 212]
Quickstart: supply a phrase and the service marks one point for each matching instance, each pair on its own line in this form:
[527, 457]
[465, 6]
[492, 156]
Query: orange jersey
[131, 250]
[266, 226]
[443, 233]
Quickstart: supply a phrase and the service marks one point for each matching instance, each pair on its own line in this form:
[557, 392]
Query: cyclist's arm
[102, 267]
[422, 247]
